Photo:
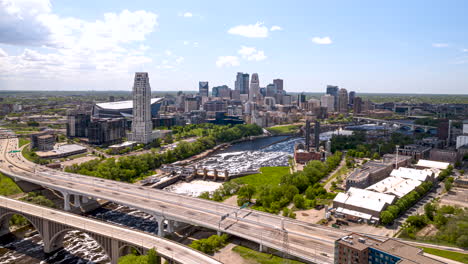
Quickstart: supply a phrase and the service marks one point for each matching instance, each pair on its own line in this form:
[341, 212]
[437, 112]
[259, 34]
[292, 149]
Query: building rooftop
[409, 254]
[409, 173]
[123, 104]
[358, 242]
[395, 186]
[365, 199]
[433, 164]
[61, 149]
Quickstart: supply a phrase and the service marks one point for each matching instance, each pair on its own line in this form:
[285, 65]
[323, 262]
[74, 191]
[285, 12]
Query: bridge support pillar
[261, 248]
[77, 200]
[226, 175]
[66, 201]
[215, 175]
[160, 220]
[114, 254]
[170, 226]
[85, 199]
[205, 173]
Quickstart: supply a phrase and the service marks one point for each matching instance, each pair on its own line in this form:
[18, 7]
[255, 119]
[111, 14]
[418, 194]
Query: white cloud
[464, 50]
[274, 28]
[251, 53]
[77, 49]
[168, 52]
[179, 60]
[440, 45]
[250, 31]
[322, 41]
[187, 14]
[227, 61]
[3, 53]
[186, 42]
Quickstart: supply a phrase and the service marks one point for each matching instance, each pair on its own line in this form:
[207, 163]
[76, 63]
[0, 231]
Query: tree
[429, 210]
[245, 194]
[299, 201]
[448, 185]
[386, 217]
[153, 257]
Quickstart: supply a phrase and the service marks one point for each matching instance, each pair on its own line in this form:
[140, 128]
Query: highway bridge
[395, 123]
[308, 242]
[116, 241]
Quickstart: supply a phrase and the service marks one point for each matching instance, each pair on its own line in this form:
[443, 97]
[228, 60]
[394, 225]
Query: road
[166, 247]
[310, 242]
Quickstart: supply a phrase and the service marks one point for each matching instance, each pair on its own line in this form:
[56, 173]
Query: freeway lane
[309, 242]
[165, 247]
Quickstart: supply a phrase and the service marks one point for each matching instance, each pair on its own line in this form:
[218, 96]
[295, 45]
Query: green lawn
[8, 186]
[279, 130]
[268, 176]
[463, 258]
[262, 258]
[23, 141]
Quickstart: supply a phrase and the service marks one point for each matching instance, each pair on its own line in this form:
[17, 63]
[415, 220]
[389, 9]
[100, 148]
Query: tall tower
[307, 135]
[343, 100]
[203, 89]
[141, 123]
[254, 94]
[242, 83]
[317, 135]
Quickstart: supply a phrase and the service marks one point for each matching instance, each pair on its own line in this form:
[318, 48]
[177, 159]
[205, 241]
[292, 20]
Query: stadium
[123, 109]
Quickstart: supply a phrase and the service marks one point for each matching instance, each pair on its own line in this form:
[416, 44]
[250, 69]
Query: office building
[343, 100]
[271, 90]
[254, 93]
[328, 101]
[219, 91]
[142, 127]
[333, 90]
[360, 249]
[301, 99]
[77, 123]
[357, 106]
[214, 106]
[42, 141]
[106, 131]
[352, 95]
[203, 89]
[279, 85]
[191, 103]
[242, 83]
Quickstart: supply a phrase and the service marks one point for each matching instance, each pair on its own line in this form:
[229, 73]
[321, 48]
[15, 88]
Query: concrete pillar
[261, 248]
[77, 200]
[226, 175]
[160, 220]
[46, 236]
[66, 201]
[170, 226]
[219, 232]
[85, 199]
[215, 175]
[114, 252]
[205, 173]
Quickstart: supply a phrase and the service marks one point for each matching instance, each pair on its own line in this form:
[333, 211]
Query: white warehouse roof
[365, 199]
[123, 104]
[415, 174]
[433, 164]
[395, 186]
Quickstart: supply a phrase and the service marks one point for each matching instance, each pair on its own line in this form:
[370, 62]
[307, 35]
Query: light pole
[396, 156]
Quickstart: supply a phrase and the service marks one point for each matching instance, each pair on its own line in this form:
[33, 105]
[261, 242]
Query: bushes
[211, 244]
[150, 258]
[445, 173]
[39, 199]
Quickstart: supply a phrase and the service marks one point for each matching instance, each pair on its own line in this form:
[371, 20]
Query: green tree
[386, 217]
[245, 194]
[429, 210]
[299, 201]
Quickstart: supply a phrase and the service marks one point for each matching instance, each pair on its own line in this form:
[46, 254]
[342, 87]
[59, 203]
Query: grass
[8, 186]
[23, 141]
[342, 171]
[268, 176]
[261, 258]
[280, 130]
[457, 256]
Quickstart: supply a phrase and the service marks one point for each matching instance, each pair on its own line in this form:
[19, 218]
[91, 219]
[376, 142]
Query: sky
[365, 46]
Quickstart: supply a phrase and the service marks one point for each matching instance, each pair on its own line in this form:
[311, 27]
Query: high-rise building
[352, 95]
[333, 90]
[191, 104]
[218, 90]
[271, 90]
[254, 93]
[343, 100]
[203, 88]
[242, 83]
[279, 85]
[328, 101]
[357, 106]
[142, 127]
[107, 131]
[301, 99]
[77, 123]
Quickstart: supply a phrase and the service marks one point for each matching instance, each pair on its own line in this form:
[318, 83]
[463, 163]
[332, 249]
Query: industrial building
[396, 186]
[62, 151]
[430, 164]
[359, 249]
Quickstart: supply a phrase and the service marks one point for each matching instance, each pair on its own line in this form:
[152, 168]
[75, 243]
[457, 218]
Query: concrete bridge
[293, 237]
[116, 241]
[395, 123]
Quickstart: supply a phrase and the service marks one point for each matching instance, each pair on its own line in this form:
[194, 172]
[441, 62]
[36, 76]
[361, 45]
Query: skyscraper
[343, 100]
[352, 95]
[333, 90]
[254, 93]
[279, 85]
[203, 88]
[242, 83]
[328, 101]
[141, 123]
[357, 106]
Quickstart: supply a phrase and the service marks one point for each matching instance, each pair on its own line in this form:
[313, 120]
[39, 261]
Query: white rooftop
[433, 164]
[353, 213]
[124, 144]
[365, 199]
[123, 104]
[395, 186]
[415, 174]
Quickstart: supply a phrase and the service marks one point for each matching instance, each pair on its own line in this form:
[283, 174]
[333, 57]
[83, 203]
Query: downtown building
[242, 83]
[142, 127]
[203, 89]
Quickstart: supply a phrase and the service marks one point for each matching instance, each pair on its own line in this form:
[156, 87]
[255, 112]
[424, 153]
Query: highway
[310, 242]
[165, 247]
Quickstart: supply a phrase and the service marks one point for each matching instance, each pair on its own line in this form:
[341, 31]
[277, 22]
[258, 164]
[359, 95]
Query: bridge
[395, 123]
[116, 241]
[308, 242]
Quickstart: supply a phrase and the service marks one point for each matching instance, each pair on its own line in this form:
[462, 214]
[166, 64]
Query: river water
[80, 248]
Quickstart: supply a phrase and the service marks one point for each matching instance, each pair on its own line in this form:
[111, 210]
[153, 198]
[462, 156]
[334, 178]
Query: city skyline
[71, 46]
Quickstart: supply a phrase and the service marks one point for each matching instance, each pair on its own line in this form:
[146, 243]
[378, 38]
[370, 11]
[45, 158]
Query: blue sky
[366, 46]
